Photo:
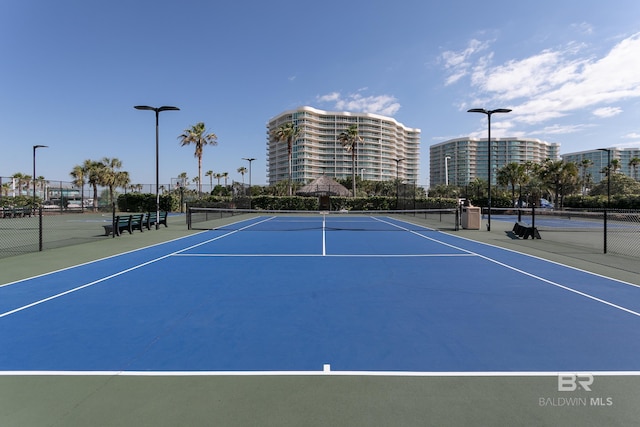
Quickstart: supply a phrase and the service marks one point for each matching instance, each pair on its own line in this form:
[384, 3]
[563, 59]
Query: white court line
[328, 255]
[452, 374]
[526, 273]
[111, 276]
[324, 235]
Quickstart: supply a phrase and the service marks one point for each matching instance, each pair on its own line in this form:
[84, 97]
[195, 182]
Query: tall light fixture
[34, 178]
[489, 113]
[446, 170]
[608, 194]
[249, 159]
[398, 181]
[157, 111]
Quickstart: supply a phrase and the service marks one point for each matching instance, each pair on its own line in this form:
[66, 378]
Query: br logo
[573, 382]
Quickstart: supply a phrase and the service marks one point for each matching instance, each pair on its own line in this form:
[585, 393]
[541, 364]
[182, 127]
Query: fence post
[113, 220]
[605, 230]
[40, 229]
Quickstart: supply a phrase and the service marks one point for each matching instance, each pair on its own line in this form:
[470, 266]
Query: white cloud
[457, 63]
[558, 129]
[382, 104]
[632, 135]
[556, 83]
[583, 27]
[330, 97]
[607, 111]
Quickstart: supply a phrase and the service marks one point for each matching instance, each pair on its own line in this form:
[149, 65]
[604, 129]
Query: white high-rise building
[459, 161]
[592, 163]
[389, 149]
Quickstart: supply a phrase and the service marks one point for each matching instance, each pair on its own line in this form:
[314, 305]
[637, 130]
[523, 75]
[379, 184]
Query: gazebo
[323, 187]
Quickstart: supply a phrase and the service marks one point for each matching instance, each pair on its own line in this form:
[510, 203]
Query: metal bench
[152, 219]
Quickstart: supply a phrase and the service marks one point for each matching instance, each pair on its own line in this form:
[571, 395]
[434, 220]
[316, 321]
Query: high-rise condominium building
[460, 161]
[592, 163]
[388, 150]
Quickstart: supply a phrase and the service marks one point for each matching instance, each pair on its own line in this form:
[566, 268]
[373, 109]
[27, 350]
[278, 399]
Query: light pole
[489, 113]
[398, 181]
[446, 170]
[157, 111]
[249, 159]
[35, 147]
[608, 195]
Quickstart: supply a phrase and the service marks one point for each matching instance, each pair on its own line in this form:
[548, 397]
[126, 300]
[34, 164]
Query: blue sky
[72, 70]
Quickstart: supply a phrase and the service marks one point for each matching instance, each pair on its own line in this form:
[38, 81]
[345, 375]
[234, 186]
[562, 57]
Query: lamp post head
[249, 159]
[40, 146]
[489, 112]
[157, 110]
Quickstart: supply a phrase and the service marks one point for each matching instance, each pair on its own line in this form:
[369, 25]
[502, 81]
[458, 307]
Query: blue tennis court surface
[377, 295]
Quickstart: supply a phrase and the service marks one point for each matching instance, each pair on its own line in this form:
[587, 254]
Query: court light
[608, 194]
[488, 114]
[157, 111]
[250, 160]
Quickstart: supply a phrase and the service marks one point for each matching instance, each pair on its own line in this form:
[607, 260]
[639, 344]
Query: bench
[121, 222]
[125, 223]
[524, 230]
[16, 212]
[137, 222]
[151, 219]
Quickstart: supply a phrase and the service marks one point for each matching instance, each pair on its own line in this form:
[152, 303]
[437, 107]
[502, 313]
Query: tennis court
[333, 296]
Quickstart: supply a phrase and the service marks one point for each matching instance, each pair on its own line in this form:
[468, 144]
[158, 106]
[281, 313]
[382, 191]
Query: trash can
[470, 218]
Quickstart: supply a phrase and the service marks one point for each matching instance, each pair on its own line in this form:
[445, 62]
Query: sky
[72, 71]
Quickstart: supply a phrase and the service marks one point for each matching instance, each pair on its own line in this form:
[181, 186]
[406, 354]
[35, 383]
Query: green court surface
[323, 398]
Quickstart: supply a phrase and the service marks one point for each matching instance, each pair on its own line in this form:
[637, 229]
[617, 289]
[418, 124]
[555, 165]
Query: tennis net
[200, 218]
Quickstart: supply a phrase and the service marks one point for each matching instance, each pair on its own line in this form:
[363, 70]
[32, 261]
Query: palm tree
[198, 135]
[585, 165]
[218, 176]
[288, 133]
[209, 173]
[78, 175]
[91, 170]
[110, 176]
[511, 174]
[242, 170]
[225, 175]
[19, 177]
[615, 165]
[350, 140]
[184, 180]
[634, 163]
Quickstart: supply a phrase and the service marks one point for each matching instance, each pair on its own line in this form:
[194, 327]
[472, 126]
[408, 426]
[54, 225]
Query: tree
[634, 163]
[585, 165]
[209, 173]
[559, 177]
[242, 170]
[511, 174]
[621, 185]
[198, 136]
[88, 172]
[110, 177]
[288, 133]
[78, 175]
[349, 140]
